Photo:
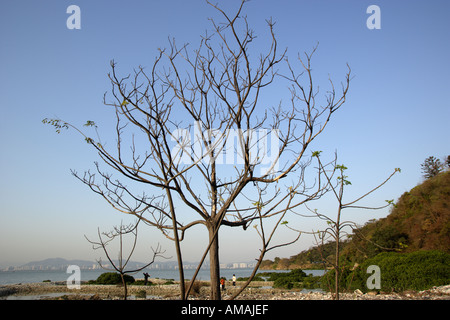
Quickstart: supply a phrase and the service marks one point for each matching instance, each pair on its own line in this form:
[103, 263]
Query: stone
[358, 292]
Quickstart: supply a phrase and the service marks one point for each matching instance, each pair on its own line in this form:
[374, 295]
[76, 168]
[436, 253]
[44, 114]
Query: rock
[358, 292]
[444, 289]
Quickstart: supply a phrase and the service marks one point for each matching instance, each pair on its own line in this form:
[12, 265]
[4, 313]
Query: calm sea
[14, 277]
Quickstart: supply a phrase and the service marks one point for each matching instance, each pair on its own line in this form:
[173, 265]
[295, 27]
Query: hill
[420, 220]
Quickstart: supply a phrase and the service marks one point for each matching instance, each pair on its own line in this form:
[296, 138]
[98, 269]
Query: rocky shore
[162, 291]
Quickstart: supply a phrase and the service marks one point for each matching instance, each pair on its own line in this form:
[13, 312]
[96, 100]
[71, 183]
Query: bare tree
[337, 228]
[121, 265]
[195, 133]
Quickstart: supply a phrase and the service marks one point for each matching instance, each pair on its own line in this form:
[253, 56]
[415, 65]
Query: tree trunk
[180, 264]
[214, 263]
[125, 289]
[337, 273]
[177, 247]
[338, 238]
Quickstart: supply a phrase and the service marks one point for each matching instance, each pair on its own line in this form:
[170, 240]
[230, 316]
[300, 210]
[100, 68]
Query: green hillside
[420, 220]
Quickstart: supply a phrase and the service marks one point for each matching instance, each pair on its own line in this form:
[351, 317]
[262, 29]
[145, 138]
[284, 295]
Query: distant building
[240, 265]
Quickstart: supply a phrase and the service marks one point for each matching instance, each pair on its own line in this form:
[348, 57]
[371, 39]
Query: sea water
[36, 276]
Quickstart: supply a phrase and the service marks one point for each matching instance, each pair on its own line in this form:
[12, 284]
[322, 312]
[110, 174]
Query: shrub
[387, 237]
[346, 280]
[283, 282]
[312, 282]
[287, 280]
[113, 278]
[419, 270]
[255, 278]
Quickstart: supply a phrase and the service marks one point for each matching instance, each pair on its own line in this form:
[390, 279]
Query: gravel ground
[160, 291]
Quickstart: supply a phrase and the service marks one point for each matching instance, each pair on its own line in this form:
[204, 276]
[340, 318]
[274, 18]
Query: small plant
[120, 267]
[196, 287]
[336, 230]
[142, 294]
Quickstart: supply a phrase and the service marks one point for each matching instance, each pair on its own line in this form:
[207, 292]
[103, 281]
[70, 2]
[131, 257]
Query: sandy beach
[162, 291]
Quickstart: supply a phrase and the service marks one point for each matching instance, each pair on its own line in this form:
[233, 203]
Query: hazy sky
[397, 112]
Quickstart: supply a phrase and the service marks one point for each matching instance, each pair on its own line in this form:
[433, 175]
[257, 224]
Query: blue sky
[396, 115]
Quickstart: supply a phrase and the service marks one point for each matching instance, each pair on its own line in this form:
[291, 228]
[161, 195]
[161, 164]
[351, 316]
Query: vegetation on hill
[420, 220]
